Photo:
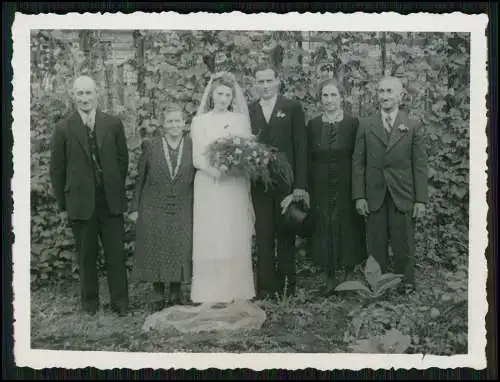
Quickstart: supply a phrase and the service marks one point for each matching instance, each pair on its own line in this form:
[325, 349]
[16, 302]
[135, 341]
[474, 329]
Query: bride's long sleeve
[246, 132]
[197, 135]
[199, 146]
[245, 129]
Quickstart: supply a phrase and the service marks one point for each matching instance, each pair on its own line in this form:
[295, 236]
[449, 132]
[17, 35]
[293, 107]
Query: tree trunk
[86, 47]
[383, 42]
[139, 59]
[141, 70]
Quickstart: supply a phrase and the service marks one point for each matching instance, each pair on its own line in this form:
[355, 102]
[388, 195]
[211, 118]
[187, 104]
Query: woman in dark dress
[164, 196]
[339, 238]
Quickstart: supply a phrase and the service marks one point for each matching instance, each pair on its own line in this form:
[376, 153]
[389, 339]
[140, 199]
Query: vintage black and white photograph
[312, 186]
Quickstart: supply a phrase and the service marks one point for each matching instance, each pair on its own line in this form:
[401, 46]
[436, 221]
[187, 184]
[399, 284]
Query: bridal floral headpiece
[227, 75]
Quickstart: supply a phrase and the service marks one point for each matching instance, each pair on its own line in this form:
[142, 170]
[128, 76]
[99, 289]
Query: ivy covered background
[140, 72]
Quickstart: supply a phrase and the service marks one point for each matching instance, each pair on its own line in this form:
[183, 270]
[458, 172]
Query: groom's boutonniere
[280, 114]
[402, 128]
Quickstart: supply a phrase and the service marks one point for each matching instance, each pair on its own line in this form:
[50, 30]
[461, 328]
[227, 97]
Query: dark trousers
[389, 223]
[110, 229]
[271, 238]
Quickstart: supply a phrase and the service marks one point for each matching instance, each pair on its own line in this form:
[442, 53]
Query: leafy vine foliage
[174, 66]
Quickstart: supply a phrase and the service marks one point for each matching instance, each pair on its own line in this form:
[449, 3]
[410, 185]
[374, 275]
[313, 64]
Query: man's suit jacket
[71, 168]
[395, 163]
[286, 131]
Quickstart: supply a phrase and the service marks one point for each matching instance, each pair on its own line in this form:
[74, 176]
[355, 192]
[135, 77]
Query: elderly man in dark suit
[390, 180]
[279, 122]
[89, 164]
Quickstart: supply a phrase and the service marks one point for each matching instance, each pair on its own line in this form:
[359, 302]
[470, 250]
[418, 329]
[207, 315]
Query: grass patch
[307, 323]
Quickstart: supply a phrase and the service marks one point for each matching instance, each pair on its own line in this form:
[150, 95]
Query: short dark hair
[266, 65]
[327, 82]
[171, 108]
[396, 79]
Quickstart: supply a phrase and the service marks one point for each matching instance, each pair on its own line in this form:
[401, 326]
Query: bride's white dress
[223, 219]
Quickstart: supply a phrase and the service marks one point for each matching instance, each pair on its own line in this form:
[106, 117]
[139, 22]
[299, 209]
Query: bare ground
[307, 323]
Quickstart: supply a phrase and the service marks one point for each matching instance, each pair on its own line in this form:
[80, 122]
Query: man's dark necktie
[93, 152]
[388, 121]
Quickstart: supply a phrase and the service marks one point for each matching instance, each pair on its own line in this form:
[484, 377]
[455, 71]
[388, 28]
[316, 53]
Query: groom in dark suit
[278, 122]
[88, 167]
[389, 179]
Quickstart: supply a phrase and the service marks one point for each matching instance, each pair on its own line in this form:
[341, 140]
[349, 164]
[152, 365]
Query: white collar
[167, 142]
[339, 116]
[173, 172]
[269, 102]
[392, 114]
[86, 116]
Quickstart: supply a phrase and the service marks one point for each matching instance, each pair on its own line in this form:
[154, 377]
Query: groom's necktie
[267, 109]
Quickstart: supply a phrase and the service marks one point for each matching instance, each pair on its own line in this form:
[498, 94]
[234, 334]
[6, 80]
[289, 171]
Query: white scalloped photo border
[478, 236]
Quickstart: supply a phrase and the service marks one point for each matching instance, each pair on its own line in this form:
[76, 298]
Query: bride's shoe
[191, 303]
[219, 305]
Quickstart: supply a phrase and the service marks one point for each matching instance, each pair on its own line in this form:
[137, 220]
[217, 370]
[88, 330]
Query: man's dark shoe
[90, 311]
[90, 308]
[328, 291]
[264, 295]
[406, 288]
[156, 305]
[175, 299]
[120, 310]
[348, 273]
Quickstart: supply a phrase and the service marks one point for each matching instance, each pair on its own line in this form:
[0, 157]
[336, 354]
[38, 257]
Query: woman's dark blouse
[339, 239]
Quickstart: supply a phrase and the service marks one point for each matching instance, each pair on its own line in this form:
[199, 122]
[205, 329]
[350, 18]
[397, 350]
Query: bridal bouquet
[237, 156]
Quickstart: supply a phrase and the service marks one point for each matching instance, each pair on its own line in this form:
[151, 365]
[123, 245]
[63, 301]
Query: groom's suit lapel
[267, 130]
[274, 121]
[261, 127]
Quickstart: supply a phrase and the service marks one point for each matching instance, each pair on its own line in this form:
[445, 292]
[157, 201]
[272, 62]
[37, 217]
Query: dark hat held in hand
[298, 218]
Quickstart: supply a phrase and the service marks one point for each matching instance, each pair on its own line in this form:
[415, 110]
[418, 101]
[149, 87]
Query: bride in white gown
[223, 220]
